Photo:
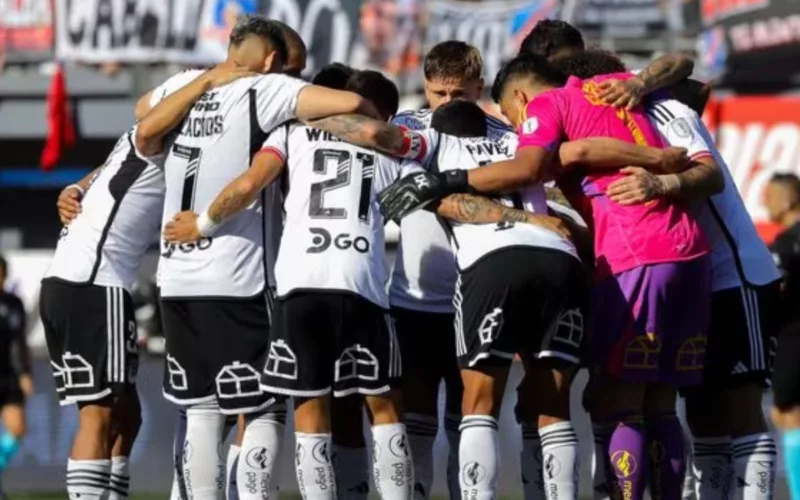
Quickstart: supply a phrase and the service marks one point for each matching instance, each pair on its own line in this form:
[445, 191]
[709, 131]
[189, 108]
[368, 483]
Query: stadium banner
[495, 27]
[751, 42]
[26, 30]
[627, 19]
[757, 137]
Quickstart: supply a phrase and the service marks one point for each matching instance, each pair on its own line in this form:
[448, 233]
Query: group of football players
[271, 195]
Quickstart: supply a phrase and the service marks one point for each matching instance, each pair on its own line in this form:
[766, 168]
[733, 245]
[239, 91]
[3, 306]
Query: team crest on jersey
[681, 128]
[530, 125]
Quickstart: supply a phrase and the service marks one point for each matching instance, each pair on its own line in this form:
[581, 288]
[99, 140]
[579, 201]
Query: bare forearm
[236, 196]
[500, 177]
[700, 181]
[167, 115]
[473, 209]
[364, 131]
[666, 70]
[608, 153]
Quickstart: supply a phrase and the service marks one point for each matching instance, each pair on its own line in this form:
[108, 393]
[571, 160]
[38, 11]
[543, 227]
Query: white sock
[600, 487]
[120, 478]
[88, 479]
[711, 467]
[312, 460]
[231, 488]
[754, 458]
[203, 467]
[452, 421]
[530, 461]
[177, 456]
[560, 461]
[352, 472]
[479, 454]
[259, 459]
[392, 467]
[422, 431]
[689, 479]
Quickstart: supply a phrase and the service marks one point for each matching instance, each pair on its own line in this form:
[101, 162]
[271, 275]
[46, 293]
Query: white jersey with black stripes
[120, 215]
[472, 242]
[425, 272]
[739, 256]
[333, 237]
[215, 144]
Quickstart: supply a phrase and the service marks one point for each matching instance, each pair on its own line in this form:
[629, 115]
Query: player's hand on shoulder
[414, 191]
[223, 75]
[69, 203]
[182, 228]
[26, 385]
[674, 160]
[621, 93]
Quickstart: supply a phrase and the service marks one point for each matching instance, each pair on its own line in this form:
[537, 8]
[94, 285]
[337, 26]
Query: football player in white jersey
[725, 413]
[219, 284]
[521, 290]
[424, 276]
[110, 219]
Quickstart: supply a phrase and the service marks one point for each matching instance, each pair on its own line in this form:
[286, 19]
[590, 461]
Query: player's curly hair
[527, 66]
[551, 36]
[460, 118]
[453, 60]
[266, 29]
[589, 63]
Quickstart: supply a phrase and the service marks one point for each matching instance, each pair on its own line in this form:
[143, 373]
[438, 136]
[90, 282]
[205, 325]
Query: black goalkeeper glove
[407, 195]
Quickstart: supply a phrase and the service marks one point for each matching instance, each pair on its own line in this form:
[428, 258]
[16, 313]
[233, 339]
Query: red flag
[60, 129]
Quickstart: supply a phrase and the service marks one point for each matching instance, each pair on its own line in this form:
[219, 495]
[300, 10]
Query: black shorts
[428, 346]
[741, 340]
[10, 391]
[521, 300]
[786, 378]
[331, 341]
[91, 337]
[215, 351]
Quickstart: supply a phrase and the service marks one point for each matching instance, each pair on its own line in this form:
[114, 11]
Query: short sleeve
[277, 142]
[543, 126]
[421, 145]
[681, 127]
[412, 120]
[276, 99]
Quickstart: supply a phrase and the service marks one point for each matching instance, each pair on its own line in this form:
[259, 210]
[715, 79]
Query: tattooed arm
[666, 70]
[187, 227]
[367, 132]
[472, 209]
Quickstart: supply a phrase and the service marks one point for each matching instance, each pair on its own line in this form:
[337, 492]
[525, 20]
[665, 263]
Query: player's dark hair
[293, 42]
[333, 76]
[589, 63]
[3, 266]
[269, 31]
[789, 181]
[551, 36]
[453, 60]
[460, 118]
[527, 66]
[376, 88]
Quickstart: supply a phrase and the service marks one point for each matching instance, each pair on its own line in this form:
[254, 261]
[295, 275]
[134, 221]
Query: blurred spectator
[782, 200]
[391, 33]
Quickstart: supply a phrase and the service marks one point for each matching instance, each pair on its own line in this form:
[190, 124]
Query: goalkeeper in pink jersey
[652, 289]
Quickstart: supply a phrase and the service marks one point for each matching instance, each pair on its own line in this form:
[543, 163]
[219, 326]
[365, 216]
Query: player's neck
[791, 218]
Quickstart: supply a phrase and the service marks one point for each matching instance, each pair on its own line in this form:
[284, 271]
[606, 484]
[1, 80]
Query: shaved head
[296, 61]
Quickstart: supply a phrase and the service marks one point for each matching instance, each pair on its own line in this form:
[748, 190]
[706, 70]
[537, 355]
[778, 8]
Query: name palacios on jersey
[204, 126]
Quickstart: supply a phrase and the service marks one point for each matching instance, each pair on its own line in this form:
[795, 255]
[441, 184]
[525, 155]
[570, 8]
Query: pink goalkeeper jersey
[625, 237]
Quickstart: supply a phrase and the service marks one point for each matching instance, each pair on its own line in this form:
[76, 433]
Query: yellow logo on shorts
[624, 464]
[692, 354]
[642, 352]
